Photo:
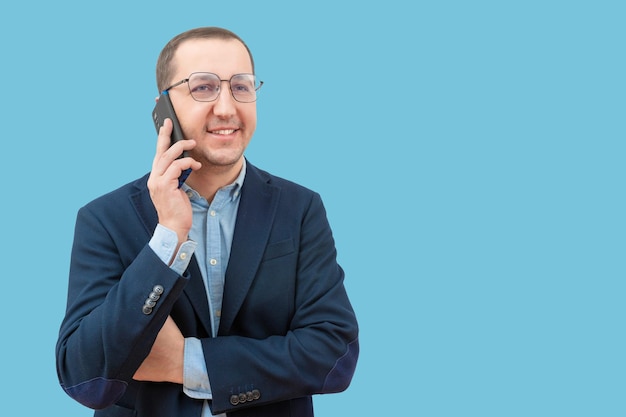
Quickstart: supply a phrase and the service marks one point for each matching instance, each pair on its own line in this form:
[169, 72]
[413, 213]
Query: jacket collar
[257, 208]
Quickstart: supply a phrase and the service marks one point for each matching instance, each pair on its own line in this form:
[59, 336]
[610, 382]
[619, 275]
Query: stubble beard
[221, 159]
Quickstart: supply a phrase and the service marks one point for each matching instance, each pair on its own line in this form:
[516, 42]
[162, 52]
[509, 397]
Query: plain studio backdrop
[470, 156]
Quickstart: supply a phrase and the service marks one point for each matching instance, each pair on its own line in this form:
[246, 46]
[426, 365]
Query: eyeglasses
[206, 86]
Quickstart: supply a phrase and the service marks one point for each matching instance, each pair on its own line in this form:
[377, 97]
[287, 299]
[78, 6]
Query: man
[221, 297]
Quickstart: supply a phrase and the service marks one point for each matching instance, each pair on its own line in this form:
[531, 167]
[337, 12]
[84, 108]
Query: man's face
[222, 128]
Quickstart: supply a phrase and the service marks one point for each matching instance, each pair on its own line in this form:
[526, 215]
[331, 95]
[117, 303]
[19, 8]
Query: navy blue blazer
[287, 329]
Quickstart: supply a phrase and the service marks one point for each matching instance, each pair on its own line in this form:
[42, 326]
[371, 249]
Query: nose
[225, 104]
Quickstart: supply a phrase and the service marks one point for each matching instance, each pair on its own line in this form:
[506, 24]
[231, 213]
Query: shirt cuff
[195, 375]
[164, 242]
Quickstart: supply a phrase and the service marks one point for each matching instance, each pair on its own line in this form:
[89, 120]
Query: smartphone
[165, 110]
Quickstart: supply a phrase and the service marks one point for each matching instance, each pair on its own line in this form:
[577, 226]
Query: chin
[224, 158]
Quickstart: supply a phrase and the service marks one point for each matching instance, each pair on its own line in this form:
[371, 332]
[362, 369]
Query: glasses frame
[186, 80]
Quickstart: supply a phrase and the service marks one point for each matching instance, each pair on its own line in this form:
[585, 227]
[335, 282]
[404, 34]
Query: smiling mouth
[222, 131]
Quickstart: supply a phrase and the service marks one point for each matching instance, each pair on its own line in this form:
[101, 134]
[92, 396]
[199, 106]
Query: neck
[210, 178]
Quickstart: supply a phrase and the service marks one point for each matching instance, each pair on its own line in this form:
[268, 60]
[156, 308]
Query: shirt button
[189, 193]
[213, 262]
[183, 256]
[212, 213]
[218, 313]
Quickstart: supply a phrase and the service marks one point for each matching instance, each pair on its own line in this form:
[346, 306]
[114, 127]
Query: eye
[205, 88]
[241, 87]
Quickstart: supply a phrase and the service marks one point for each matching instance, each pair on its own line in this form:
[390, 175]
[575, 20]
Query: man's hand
[171, 203]
[165, 361]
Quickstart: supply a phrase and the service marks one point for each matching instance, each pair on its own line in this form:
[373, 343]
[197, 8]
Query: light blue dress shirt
[210, 238]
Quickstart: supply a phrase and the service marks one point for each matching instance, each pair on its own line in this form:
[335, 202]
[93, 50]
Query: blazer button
[256, 394]
[150, 303]
[234, 399]
[158, 290]
[154, 296]
[242, 398]
[146, 310]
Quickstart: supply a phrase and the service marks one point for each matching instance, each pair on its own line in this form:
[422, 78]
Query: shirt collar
[239, 180]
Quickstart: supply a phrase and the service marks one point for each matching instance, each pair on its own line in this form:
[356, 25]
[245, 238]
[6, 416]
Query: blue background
[470, 156]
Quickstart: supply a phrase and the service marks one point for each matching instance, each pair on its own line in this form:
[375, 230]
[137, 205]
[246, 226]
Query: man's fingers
[163, 140]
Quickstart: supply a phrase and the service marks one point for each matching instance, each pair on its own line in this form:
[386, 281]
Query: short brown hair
[165, 66]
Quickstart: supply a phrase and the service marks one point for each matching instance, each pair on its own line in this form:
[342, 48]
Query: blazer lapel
[196, 292]
[143, 205]
[254, 222]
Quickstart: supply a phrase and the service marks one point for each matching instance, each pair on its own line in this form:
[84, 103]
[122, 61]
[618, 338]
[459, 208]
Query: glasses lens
[204, 86]
[243, 87]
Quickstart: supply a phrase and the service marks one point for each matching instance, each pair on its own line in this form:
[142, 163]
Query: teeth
[223, 132]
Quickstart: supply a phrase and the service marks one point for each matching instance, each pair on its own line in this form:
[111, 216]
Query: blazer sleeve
[107, 331]
[299, 285]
